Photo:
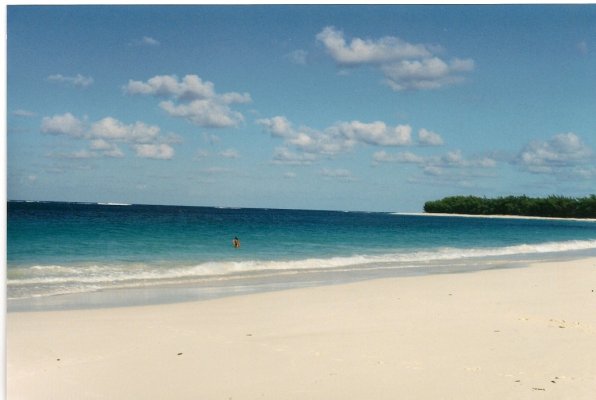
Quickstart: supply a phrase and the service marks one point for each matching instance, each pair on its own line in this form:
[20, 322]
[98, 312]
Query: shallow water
[57, 250]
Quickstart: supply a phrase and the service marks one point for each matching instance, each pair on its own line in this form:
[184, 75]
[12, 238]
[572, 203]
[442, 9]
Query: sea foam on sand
[520, 333]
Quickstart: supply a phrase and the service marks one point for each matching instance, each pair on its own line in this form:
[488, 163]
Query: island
[551, 206]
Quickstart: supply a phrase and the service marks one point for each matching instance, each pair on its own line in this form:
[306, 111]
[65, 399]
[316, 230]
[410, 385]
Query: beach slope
[527, 333]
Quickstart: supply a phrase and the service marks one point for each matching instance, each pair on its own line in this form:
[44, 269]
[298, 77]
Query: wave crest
[44, 280]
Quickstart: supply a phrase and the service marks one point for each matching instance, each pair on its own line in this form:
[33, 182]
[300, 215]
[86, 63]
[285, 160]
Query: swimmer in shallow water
[236, 242]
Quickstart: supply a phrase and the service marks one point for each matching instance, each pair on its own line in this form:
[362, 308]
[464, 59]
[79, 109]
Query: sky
[336, 107]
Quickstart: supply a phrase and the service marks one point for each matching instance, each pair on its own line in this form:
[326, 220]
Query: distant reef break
[551, 206]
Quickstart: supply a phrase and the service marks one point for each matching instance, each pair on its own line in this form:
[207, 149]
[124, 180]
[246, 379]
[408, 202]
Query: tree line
[551, 206]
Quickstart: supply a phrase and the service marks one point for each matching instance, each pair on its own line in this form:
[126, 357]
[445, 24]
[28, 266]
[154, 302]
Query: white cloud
[192, 99]
[562, 151]
[456, 159]
[331, 141]
[426, 74]
[403, 157]
[65, 124]
[360, 51]
[406, 66]
[149, 41]
[146, 41]
[451, 166]
[160, 151]
[283, 155]
[105, 148]
[429, 138]
[103, 136]
[77, 80]
[584, 172]
[277, 126]
[204, 113]
[376, 133]
[189, 88]
[339, 173]
[111, 129]
[432, 170]
[337, 138]
[24, 113]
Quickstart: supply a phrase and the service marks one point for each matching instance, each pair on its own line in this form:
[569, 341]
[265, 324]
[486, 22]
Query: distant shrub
[551, 206]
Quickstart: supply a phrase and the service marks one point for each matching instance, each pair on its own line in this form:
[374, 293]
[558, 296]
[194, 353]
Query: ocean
[77, 255]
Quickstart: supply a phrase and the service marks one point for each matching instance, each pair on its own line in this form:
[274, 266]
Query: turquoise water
[64, 248]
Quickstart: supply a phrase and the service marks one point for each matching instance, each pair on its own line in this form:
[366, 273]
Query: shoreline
[272, 281]
[491, 334]
[496, 216]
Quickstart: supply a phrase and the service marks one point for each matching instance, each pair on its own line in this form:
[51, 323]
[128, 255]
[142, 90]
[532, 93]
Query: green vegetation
[552, 206]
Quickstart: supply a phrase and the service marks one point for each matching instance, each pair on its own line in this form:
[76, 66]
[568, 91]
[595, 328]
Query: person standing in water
[236, 242]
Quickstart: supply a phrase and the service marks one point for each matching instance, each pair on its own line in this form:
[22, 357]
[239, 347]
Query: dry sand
[527, 333]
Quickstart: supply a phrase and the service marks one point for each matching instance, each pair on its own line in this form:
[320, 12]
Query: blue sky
[373, 108]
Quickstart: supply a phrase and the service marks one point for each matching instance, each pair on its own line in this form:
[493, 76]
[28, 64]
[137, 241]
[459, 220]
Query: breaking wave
[47, 280]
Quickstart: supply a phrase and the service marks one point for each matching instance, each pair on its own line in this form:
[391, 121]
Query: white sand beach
[527, 333]
[495, 216]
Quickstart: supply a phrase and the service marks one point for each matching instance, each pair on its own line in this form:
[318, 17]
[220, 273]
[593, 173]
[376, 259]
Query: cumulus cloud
[403, 157]
[429, 138]
[160, 151]
[339, 173]
[189, 88]
[337, 138]
[77, 80]
[111, 129]
[376, 133]
[430, 73]
[104, 135]
[204, 113]
[406, 66]
[456, 159]
[282, 155]
[451, 164]
[66, 124]
[277, 126]
[563, 151]
[105, 148]
[361, 51]
[193, 99]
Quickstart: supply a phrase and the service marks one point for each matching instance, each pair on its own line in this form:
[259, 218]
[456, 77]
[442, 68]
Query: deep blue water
[58, 248]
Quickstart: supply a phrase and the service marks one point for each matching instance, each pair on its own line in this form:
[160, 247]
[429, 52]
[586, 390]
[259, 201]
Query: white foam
[53, 278]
